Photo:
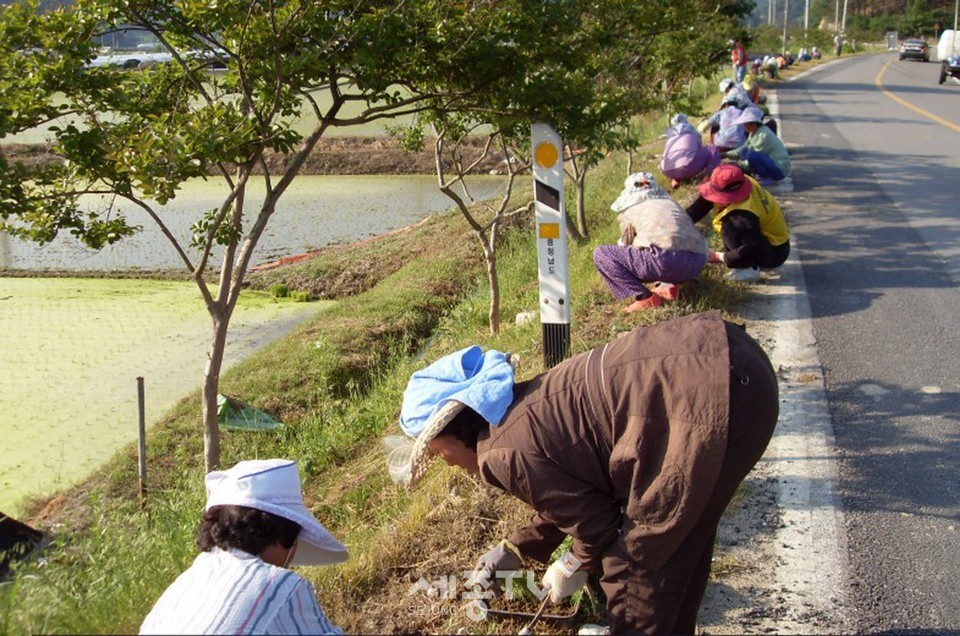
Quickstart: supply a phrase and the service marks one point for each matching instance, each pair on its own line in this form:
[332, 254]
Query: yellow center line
[878, 80]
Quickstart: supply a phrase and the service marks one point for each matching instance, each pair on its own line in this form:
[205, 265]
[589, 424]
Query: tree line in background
[910, 18]
[865, 20]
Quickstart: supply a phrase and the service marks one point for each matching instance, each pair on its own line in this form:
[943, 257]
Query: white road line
[811, 543]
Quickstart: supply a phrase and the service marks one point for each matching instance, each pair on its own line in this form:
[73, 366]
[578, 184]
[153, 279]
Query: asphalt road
[874, 217]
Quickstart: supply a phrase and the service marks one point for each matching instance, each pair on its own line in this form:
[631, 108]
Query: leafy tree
[608, 63]
[485, 221]
[645, 61]
[139, 135]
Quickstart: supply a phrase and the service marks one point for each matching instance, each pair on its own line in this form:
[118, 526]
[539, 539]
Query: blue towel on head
[482, 381]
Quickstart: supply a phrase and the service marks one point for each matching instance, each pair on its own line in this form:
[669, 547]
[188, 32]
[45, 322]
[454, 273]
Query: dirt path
[332, 156]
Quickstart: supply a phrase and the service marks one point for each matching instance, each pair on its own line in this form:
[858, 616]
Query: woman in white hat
[659, 246]
[725, 133]
[254, 527]
[633, 449]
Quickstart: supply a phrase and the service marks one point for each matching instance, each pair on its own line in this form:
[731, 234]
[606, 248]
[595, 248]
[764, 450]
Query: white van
[948, 45]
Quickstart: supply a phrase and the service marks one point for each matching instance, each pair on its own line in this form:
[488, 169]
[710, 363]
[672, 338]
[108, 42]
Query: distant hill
[830, 8]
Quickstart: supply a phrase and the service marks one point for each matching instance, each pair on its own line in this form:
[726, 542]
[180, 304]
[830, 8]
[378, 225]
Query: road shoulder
[780, 561]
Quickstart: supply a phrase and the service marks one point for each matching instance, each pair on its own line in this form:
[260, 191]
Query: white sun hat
[435, 395]
[749, 115]
[638, 187]
[273, 485]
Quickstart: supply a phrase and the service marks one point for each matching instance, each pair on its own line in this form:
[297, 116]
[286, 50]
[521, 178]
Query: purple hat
[751, 114]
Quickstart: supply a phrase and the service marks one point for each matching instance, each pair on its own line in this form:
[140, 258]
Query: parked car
[915, 50]
[950, 67]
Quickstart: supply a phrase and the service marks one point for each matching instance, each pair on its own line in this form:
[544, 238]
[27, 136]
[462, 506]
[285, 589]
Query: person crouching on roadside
[747, 218]
[659, 245]
[684, 155]
[763, 153]
[751, 86]
[725, 133]
[633, 449]
[255, 526]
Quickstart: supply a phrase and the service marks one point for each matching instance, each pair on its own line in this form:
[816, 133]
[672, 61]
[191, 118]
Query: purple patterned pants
[626, 269]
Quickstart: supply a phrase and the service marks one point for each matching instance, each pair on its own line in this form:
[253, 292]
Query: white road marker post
[551, 213]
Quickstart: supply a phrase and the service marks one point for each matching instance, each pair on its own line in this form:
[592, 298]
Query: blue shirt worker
[763, 153]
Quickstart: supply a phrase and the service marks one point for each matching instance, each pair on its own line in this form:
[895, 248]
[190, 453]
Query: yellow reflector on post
[546, 155]
[549, 230]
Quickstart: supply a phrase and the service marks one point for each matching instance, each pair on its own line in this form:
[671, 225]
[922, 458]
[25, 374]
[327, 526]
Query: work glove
[703, 126]
[504, 557]
[629, 233]
[564, 577]
[715, 257]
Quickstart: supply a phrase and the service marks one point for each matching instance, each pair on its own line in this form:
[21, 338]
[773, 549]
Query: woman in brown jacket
[634, 449]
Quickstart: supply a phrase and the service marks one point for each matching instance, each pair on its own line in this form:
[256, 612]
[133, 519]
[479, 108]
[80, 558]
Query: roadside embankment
[337, 382]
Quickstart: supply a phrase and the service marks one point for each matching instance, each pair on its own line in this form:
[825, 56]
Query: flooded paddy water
[314, 212]
[71, 351]
[72, 348]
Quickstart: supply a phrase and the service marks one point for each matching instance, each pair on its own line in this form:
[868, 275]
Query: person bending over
[633, 449]
[659, 246]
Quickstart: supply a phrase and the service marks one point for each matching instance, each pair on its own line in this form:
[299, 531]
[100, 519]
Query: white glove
[704, 126]
[503, 557]
[564, 578]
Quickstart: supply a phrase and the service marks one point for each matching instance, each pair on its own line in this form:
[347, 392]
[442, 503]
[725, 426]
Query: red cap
[727, 184]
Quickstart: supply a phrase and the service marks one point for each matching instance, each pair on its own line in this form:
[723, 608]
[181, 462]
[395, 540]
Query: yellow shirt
[765, 207]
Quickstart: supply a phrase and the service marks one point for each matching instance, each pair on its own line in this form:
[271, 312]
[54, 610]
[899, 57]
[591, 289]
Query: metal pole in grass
[551, 242]
[142, 445]
[786, 19]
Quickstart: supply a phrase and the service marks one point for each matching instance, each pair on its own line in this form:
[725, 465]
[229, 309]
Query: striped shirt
[232, 592]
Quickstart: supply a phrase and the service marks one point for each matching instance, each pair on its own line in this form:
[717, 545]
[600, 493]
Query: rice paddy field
[71, 351]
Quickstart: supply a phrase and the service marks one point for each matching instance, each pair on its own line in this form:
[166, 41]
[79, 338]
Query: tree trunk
[577, 224]
[583, 233]
[220, 310]
[494, 281]
[211, 388]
